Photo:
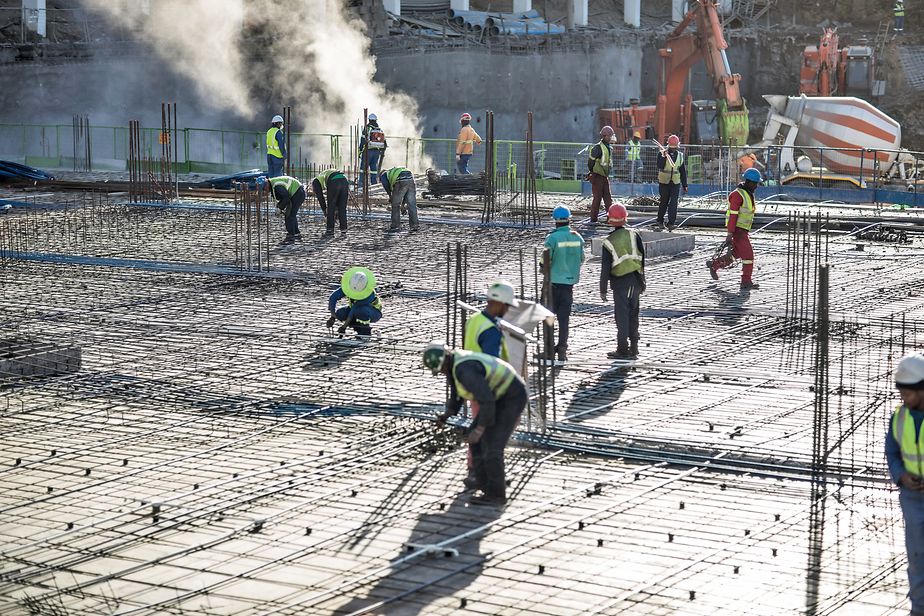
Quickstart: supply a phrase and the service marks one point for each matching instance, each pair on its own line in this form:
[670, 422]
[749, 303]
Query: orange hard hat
[673, 140]
[607, 131]
[616, 215]
[637, 134]
[465, 116]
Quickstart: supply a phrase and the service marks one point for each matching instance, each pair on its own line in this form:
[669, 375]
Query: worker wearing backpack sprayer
[372, 148]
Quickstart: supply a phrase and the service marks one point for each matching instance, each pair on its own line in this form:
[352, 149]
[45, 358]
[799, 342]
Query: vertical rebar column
[364, 172]
[236, 219]
[176, 157]
[490, 190]
[287, 120]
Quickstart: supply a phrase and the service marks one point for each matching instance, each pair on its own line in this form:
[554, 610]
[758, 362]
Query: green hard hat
[358, 282]
[434, 355]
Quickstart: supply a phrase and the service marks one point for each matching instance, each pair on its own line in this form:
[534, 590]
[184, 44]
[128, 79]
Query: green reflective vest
[290, 184]
[476, 326]
[899, 9]
[603, 164]
[498, 373]
[745, 212]
[671, 175]
[329, 174]
[626, 256]
[634, 151]
[392, 174]
[903, 431]
[272, 146]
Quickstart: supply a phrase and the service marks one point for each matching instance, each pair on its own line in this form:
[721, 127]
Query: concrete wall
[562, 89]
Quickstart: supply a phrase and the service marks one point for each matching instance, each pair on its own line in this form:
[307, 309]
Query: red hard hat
[673, 140]
[616, 215]
[607, 131]
[465, 116]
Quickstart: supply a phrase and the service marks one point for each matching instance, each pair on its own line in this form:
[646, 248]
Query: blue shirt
[490, 339]
[566, 252]
[894, 450]
[337, 295]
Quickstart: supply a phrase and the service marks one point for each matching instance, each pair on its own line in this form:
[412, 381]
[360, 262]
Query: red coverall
[741, 243]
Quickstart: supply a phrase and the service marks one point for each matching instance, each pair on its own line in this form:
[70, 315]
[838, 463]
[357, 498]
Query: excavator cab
[858, 75]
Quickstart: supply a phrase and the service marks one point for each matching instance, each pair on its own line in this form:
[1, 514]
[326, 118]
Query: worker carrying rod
[363, 304]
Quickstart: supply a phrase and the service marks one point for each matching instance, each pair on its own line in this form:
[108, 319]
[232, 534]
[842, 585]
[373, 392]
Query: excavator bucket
[734, 126]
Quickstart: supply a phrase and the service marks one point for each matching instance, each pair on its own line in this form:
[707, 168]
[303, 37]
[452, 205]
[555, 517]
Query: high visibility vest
[476, 326]
[912, 448]
[634, 151]
[272, 146]
[603, 164]
[745, 212]
[392, 174]
[376, 303]
[899, 9]
[626, 256]
[498, 373]
[671, 175]
[329, 174]
[290, 184]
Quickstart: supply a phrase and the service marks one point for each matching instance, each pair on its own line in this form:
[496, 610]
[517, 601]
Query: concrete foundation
[657, 244]
[24, 357]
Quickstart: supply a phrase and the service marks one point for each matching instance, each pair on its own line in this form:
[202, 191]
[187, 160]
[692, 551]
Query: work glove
[441, 420]
[331, 321]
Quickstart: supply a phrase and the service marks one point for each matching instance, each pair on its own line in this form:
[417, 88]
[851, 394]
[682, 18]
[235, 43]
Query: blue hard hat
[753, 175]
[260, 180]
[561, 212]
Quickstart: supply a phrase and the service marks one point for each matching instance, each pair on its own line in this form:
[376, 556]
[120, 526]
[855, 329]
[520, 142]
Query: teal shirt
[566, 248]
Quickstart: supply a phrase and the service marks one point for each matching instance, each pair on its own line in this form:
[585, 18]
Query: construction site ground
[221, 452]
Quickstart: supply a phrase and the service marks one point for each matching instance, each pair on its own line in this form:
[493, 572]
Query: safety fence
[818, 172]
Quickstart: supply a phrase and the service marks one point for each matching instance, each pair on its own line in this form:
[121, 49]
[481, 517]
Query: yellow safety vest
[272, 146]
[745, 212]
[476, 326]
[626, 256]
[603, 164]
[671, 175]
[912, 448]
[392, 175]
[498, 373]
[899, 9]
[633, 151]
[289, 183]
[329, 174]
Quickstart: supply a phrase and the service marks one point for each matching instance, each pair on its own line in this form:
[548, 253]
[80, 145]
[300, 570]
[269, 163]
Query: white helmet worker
[502, 291]
[357, 282]
[910, 372]
[277, 119]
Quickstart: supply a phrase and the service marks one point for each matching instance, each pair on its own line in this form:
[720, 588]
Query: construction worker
[566, 254]
[898, 11]
[903, 446]
[338, 191]
[275, 148]
[500, 394]
[599, 163]
[738, 220]
[289, 195]
[623, 270]
[398, 183]
[672, 174]
[748, 160]
[363, 304]
[372, 146]
[634, 156]
[465, 143]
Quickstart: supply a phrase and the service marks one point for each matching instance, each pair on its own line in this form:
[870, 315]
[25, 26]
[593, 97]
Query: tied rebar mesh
[251, 228]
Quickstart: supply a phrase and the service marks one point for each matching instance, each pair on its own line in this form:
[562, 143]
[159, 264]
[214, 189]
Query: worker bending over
[337, 187]
[500, 394]
[599, 163]
[465, 143]
[275, 148]
[623, 270]
[904, 446]
[363, 304]
[398, 183]
[672, 175]
[738, 221]
[566, 254]
[289, 195]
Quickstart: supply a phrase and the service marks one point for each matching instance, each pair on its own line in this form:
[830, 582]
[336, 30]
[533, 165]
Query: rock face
[25, 357]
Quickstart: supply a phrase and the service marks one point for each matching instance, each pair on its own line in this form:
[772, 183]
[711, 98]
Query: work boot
[633, 348]
[363, 330]
[712, 270]
[488, 501]
[297, 235]
[561, 353]
[471, 482]
[393, 230]
[329, 233]
[619, 353]
[749, 285]
[289, 239]
[415, 229]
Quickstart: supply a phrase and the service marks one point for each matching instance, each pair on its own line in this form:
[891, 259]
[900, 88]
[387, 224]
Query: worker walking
[398, 183]
[275, 148]
[634, 157]
[623, 270]
[465, 143]
[363, 304]
[566, 254]
[672, 175]
[898, 11]
[903, 446]
[372, 146]
[500, 394]
[599, 163]
[289, 195]
[738, 221]
[337, 187]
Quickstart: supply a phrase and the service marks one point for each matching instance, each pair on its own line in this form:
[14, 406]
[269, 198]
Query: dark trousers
[626, 290]
[488, 453]
[291, 212]
[462, 163]
[562, 301]
[338, 191]
[600, 186]
[274, 166]
[670, 193]
[899, 23]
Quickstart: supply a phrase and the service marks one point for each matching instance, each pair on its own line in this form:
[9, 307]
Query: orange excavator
[828, 70]
[723, 121]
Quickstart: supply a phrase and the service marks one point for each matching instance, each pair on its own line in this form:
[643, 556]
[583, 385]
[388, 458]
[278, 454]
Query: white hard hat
[502, 291]
[373, 117]
[358, 282]
[910, 372]
[277, 118]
